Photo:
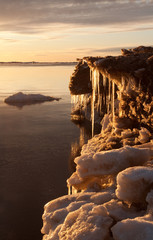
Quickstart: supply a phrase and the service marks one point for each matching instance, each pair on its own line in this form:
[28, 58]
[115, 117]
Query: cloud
[9, 40]
[35, 16]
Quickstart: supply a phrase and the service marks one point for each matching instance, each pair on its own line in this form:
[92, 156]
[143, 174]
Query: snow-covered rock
[140, 228]
[79, 216]
[134, 183]
[107, 163]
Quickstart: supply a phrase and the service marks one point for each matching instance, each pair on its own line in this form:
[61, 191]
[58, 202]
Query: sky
[63, 30]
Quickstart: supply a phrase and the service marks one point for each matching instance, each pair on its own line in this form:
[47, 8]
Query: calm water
[36, 142]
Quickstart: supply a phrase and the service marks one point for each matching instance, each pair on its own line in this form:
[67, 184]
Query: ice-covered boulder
[110, 162]
[87, 223]
[79, 216]
[134, 183]
[119, 211]
[140, 228]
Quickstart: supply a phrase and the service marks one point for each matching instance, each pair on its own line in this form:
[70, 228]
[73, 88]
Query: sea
[38, 144]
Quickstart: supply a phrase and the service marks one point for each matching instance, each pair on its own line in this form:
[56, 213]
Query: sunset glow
[64, 30]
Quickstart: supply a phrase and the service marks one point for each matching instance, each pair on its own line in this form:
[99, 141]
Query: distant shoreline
[33, 64]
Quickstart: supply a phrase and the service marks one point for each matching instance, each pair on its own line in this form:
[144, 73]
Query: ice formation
[22, 99]
[111, 192]
[134, 183]
[138, 228]
[79, 216]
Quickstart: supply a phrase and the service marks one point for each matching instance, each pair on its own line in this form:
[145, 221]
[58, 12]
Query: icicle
[123, 85]
[93, 100]
[82, 137]
[104, 80]
[73, 102]
[74, 191]
[109, 96]
[90, 74]
[113, 101]
[102, 96]
[98, 89]
[82, 97]
[100, 103]
[105, 89]
[85, 103]
[69, 190]
[94, 77]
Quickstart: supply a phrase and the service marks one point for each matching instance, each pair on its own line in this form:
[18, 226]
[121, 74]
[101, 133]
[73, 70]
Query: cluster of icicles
[102, 99]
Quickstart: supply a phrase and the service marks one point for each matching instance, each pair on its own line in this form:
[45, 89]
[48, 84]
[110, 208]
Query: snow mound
[107, 163]
[134, 183]
[119, 211]
[139, 228]
[79, 216]
[87, 223]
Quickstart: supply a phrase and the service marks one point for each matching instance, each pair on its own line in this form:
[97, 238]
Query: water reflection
[20, 105]
[76, 146]
[35, 146]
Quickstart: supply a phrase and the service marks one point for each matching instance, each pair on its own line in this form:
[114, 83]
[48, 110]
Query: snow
[107, 163]
[119, 211]
[80, 216]
[134, 183]
[89, 222]
[114, 173]
[97, 213]
[140, 228]
[144, 135]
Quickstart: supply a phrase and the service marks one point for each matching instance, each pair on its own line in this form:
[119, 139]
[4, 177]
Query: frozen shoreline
[111, 191]
[116, 194]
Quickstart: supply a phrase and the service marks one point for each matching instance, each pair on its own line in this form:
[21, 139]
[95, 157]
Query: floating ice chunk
[134, 183]
[110, 162]
[140, 228]
[26, 99]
